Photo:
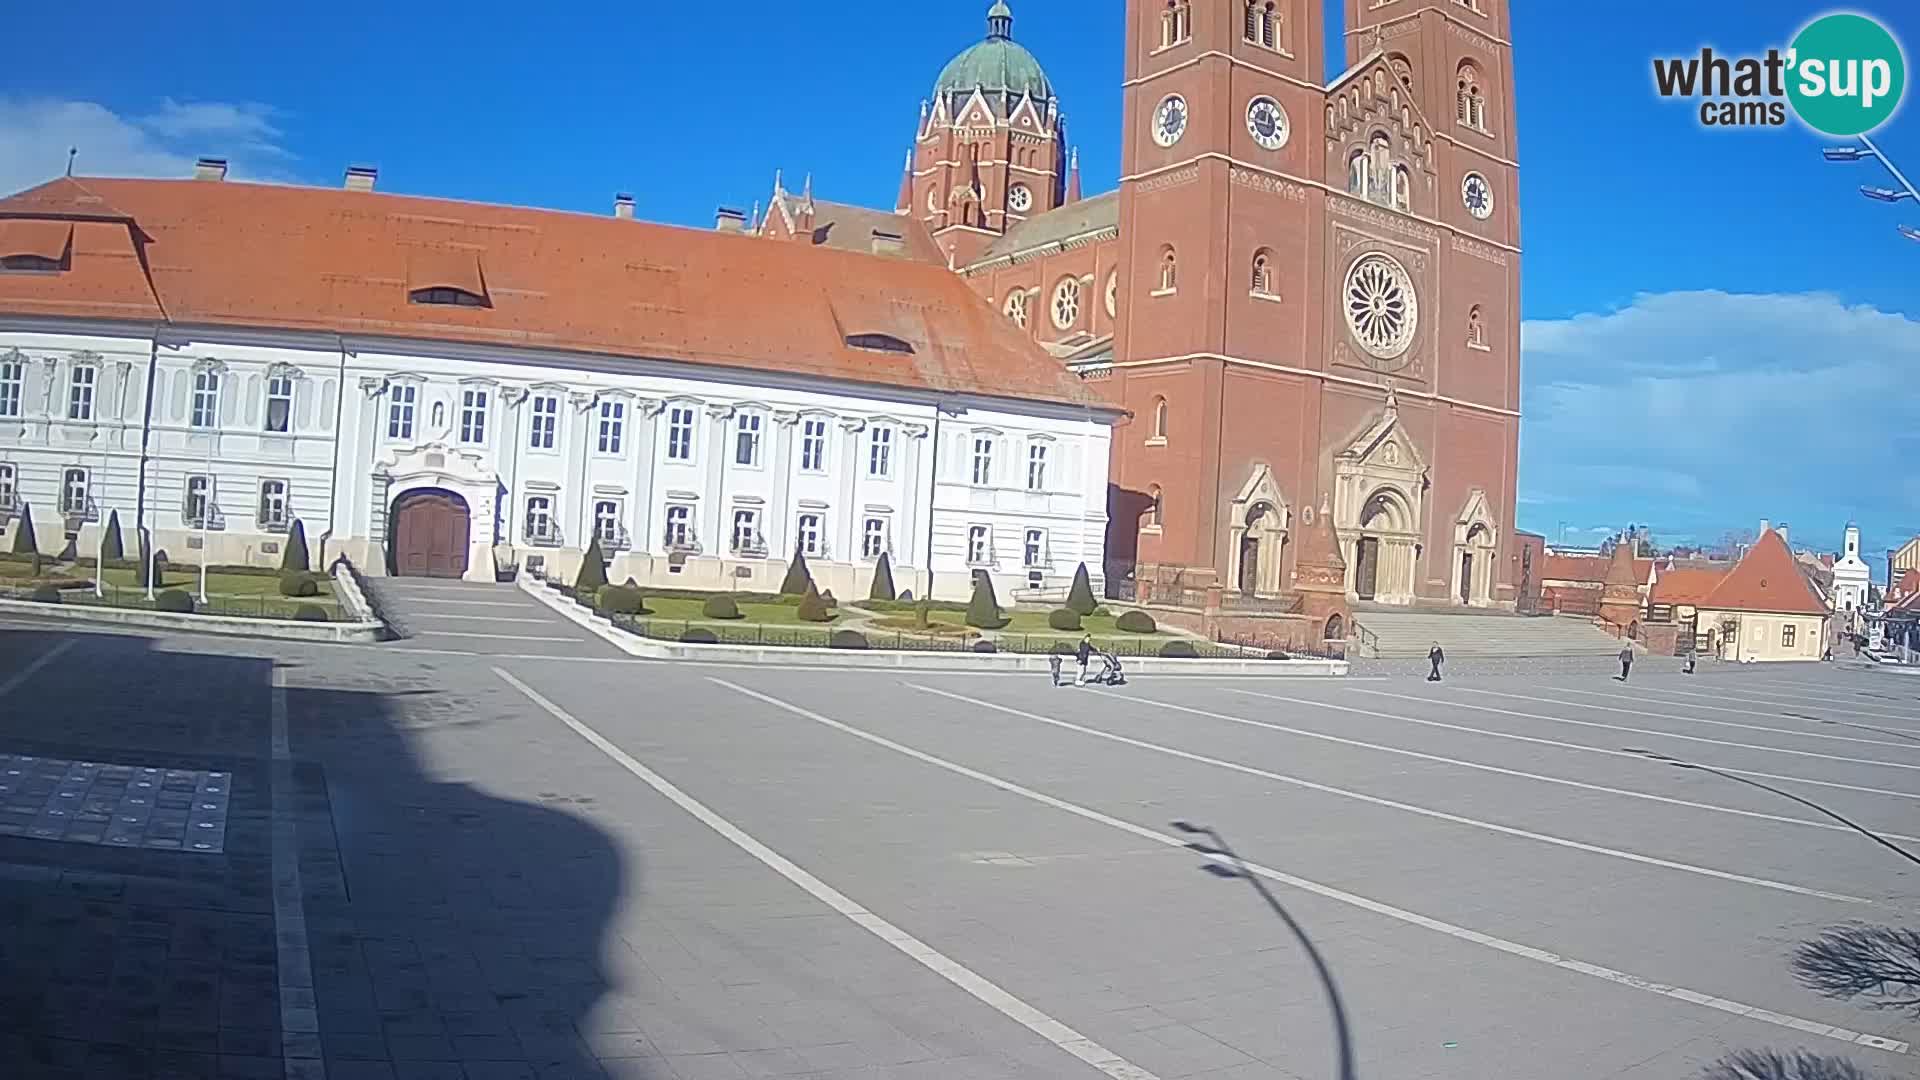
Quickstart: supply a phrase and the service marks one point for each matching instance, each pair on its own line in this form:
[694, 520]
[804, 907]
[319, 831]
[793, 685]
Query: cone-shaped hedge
[113, 548]
[295, 558]
[799, 578]
[24, 542]
[813, 608]
[983, 609]
[882, 579]
[593, 572]
[1080, 597]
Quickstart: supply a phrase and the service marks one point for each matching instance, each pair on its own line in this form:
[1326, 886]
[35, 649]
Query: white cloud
[1702, 411]
[35, 135]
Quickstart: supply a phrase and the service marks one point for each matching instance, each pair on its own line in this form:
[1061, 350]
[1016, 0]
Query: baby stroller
[1110, 673]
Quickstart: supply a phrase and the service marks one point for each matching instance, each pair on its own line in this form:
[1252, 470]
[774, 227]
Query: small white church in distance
[441, 388]
[1852, 579]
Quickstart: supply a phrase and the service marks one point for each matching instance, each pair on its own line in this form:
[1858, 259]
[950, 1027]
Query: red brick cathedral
[1306, 292]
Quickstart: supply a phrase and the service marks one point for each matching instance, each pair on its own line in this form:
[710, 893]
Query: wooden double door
[431, 533]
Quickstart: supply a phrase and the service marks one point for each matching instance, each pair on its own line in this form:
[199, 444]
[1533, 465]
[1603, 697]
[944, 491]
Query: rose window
[1381, 309]
[1017, 308]
[1066, 304]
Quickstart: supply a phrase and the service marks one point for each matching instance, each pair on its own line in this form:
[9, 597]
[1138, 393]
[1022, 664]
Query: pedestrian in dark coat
[1690, 659]
[1083, 654]
[1436, 658]
[1626, 662]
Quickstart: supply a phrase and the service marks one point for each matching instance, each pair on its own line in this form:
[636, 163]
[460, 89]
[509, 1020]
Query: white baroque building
[440, 388]
[1852, 580]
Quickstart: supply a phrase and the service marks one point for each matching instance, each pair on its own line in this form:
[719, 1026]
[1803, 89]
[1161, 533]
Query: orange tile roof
[1687, 585]
[1588, 568]
[198, 252]
[1767, 579]
[37, 237]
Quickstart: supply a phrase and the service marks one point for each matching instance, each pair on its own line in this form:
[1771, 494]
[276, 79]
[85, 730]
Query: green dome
[996, 65]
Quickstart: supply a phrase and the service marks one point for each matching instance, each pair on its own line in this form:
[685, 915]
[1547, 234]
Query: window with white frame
[73, 492]
[473, 416]
[809, 535]
[613, 422]
[273, 505]
[1787, 633]
[206, 399]
[80, 392]
[680, 433]
[1036, 466]
[679, 525]
[1035, 548]
[540, 519]
[873, 538]
[280, 402]
[746, 532]
[813, 444]
[546, 421]
[199, 498]
[747, 426]
[402, 400]
[880, 451]
[606, 521]
[9, 487]
[13, 381]
[979, 545]
[982, 460]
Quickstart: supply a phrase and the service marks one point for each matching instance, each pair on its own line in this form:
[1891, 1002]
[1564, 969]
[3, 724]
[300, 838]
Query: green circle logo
[1847, 74]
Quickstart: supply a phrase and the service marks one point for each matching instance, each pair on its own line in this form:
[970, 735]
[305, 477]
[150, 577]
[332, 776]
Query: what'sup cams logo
[1843, 75]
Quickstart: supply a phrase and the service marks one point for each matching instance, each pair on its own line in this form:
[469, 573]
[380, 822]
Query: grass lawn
[1033, 623]
[227, 594]
[682, 609]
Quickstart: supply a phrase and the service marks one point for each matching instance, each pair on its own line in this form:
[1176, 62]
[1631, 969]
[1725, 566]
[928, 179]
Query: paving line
[19, 678]
[1041, 1024]
[300, 1050]
[496, 637]
[1798, 733]
[1795, 701]
[1528, 952]
[479, 618]
[1391, 804]
[1562, 745]
[471, 603]
[1634, 730]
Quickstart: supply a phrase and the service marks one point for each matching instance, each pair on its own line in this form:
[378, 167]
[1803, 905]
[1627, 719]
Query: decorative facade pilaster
[646, 427]
[912, 529]
[847, 520]
[779, 530]
[714, 489]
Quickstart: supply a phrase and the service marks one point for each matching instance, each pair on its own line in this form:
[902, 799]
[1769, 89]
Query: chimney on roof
[888, 243]
[623, 206]
[728, 220]
[1765, 526]
[1782, 530]
[210, 168]
[361, 177]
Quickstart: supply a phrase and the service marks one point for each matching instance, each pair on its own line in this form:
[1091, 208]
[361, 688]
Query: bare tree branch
[1880, 964]
[1773, 1065]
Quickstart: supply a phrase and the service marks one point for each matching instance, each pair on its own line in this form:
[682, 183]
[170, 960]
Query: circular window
[1016, 308]
[1113, 295]
[1381, 309]
[1477, 195]
[1066, 303]
[1020, 198]
[1267, 123]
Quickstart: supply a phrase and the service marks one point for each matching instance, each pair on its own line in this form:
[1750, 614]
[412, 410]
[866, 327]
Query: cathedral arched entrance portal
[1379, 481]
[1475, 543]
[1257, 537]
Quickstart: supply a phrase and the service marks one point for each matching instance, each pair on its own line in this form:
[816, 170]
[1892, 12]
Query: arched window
[1357, 173]
[1262, 25]
[1379, 168]
[1176, 23]
[1169, 270]
[1263, 272]
[1160, 418]
[1152, 517]
[1470, 100]
[1476, 330]
[1402, 188]
[1066, 303]
[1016, 308]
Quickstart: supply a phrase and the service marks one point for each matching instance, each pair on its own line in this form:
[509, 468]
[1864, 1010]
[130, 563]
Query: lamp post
[1866, 150]
[100, 549]
[206, 515]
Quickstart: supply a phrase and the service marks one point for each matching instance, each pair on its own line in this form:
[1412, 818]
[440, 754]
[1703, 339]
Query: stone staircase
[1400, 634]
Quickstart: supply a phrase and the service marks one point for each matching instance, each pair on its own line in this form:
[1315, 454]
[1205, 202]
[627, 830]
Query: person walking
[1690, 658]
[1053, 661]
[1626, 662]
[1436, 658]
[1084, 654]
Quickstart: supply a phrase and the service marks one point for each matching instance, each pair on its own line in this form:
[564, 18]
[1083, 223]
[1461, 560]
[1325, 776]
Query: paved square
[91, 802]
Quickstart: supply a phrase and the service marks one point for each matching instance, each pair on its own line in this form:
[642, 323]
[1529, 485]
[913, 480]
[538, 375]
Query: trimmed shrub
[1179, 650]
[1278, 655]
[1064, 648]
[622, 600]
[297, 583]
[593, 570]
[983, 611]
[827, 599]
[1136, 622]
[721, 607]
[985, 646]
[1080, 597]
[174, 601]
[1063, 619]
[112, 547]
[294, 558]
[309, 613]
[699, 635]
[24, 542]
[45, 594]
[847, 639]
[907, 597]
[813, 607]
[799, 579]
[882, 579]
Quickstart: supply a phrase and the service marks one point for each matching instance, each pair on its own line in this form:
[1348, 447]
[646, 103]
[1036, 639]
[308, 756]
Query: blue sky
[1718, 329]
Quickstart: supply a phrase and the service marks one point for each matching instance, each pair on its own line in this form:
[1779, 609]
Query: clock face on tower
[1477, 195]
[1020, 197]
[1170, 120]
[1267, 123]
